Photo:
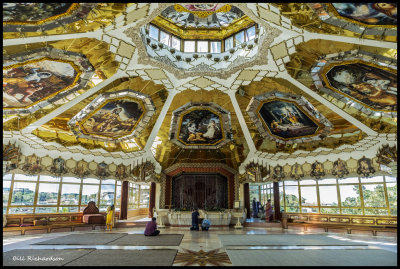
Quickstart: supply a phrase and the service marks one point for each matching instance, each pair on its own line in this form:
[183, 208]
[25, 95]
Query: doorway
[261, 192]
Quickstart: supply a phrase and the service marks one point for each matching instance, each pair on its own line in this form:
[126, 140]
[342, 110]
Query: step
[263, 224]
[128, 224]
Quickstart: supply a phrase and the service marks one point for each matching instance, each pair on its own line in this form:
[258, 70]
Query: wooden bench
[347, 222]
[50, 227]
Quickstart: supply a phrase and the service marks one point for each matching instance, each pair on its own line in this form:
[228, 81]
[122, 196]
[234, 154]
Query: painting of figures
[32, 12]
[285, 120]
[200, 126]
[369, 13]
[372, 86]
[29, 83]
[339, 168]
[116, 118]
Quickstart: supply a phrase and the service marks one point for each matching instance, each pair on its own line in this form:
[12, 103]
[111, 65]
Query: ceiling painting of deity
[117, 118]
[35, 16]
[31, 82]
[113, 116]
[367, 84]
[287, 117]
[200, 126]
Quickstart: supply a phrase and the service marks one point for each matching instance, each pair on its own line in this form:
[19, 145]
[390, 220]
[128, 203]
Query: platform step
[263, 224]
[131, 224]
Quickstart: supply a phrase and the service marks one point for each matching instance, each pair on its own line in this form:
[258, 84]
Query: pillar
[124, 200]
[152, 201]
[247, 198]
[277, 206]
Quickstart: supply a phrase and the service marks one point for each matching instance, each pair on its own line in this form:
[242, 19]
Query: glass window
[91, 180]
[25, 177]
[239, 37]
[176, 43]
[352, 211]
[68, 209]
[45, 210]
[153, 32]
[307, 182]
[49, 178]
[144, 196]
[373, 211]
[48, 194]
[164, 38]
[281, 195]
[374, 195]
[71, 180]
[89, 193]
[189, 46]
[291, 182]
[392, 196]
[309, 196]
[390, 179]
[20, 210]
[251, 33]
[69, 194]
[309, 210]
[327, 181]
[349, 180]
[328, 196]
[107, 194]
[215, 47]
[6, 194]
[292, 199]
[23, 193]
[202, 46]
[350, 196]
[228, 43]
[118, 198]
[371, 179]
[329, 210]
[7, 176]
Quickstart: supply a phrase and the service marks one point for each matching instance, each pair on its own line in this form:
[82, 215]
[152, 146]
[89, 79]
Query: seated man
[151, 228]
[205, 225]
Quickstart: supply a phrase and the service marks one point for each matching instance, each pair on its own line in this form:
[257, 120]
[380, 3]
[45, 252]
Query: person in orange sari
[268, 211]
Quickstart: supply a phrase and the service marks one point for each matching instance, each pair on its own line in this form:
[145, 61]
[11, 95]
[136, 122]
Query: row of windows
[47, 194]
[202, 45]
[358, 196]
[139, 196]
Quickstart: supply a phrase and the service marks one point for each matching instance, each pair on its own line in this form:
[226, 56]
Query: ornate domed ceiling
[308, 82]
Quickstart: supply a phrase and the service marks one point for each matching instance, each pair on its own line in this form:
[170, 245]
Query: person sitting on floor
[205, 225]
[195, 220]
[151, 228]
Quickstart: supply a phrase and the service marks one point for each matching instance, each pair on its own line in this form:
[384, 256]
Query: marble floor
[199, 248]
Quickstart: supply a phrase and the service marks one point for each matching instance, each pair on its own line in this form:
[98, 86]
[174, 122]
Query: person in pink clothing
[151, 228]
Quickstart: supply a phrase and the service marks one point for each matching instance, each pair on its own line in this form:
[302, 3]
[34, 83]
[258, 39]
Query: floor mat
[83, 239]
[142, 240]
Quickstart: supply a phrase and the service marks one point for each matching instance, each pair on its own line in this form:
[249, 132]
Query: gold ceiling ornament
[203, 13]
[144, 171]
[257, 171]
[387, 154]
[11, 156]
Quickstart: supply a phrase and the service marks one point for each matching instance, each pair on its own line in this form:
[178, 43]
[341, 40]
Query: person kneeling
[151, 228]
[205, 225]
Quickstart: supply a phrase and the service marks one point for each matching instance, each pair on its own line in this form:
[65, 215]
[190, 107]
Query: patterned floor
[215, 257]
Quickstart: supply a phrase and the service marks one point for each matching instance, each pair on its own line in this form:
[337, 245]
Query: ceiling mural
[38, 79]
[113, 116]
[44, 16]
[204, 125]
[286, 117]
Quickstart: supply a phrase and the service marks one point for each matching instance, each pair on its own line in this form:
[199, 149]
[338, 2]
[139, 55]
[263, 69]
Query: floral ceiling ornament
[257, 171]
[364, 167]
[296, 171]
[317, 170]
[277, 173]
[11, 156]
[58, 167]
[387, 154]
[340, 168]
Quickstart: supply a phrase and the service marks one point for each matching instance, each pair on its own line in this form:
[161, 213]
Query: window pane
[352, 211]
[48, 194]
[251, 33]
[69, 209]
[107, 195]
[6, 191]
[108, 182]
[393, 212]
[118, 198]
[71, 180]
[374, 195]
[20, 210]
[189, 46]
[202, 46]
[49, 178]
[370, 211]
[372, 179]
[349, 180]
[25, 177]
[153, 33]
[23, 193]
[327, 181]
[328, 196]
[215, 47]
[309, 210]
[91, 180]
[176, 43]
[144, 196]
[292, 198]
[309, 196]
[282, 205]
[164, 38]
[89, 193]
[46, 210]
[390, 179]
[69, 194]
[7, 176]
[239, 37]
[228, 43]
[350, 196]
[290, 182]
[330, 210]
[308, 182]
[392, 194]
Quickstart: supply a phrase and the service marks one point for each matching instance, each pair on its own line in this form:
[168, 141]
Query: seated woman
[205, 225]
